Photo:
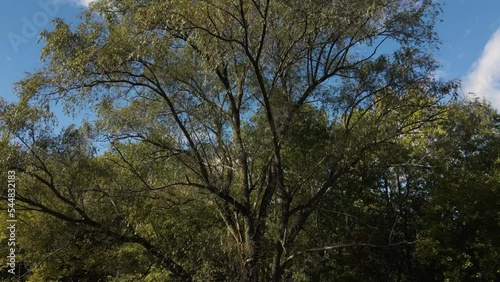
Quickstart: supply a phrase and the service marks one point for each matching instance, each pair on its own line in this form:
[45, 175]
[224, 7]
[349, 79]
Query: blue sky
[470, 33]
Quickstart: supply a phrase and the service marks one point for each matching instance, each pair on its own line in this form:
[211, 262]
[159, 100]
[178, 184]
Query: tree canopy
[252, 141]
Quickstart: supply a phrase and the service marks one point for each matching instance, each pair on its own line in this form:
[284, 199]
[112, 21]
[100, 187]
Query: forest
[249, 140]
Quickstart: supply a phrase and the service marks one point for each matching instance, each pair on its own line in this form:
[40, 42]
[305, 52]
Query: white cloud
[484, 78]
[85, 2]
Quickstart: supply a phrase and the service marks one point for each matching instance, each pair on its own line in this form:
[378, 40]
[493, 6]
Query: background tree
[459, 218]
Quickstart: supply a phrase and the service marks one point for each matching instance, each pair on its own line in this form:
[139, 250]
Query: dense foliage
[252, 141]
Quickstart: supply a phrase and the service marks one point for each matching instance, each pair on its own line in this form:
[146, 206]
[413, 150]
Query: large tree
[239, 119]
